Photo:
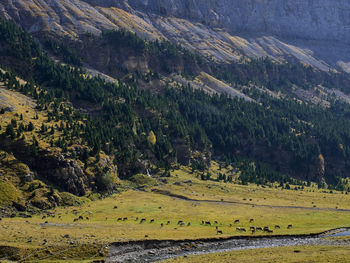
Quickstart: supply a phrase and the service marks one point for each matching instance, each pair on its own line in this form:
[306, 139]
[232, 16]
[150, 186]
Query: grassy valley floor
[59, 234]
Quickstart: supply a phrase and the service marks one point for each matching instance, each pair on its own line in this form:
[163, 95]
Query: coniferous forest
[142, 128]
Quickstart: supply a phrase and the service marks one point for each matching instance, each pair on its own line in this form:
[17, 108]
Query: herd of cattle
[181, 223]
[236, 222]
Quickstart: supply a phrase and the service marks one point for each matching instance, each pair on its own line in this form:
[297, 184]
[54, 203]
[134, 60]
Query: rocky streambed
[158, 250]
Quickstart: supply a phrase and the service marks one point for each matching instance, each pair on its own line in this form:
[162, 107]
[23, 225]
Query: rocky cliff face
[313, 32]
[306, 19]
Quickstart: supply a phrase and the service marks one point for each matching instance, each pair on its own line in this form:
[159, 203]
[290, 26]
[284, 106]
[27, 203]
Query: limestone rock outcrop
[313, 32]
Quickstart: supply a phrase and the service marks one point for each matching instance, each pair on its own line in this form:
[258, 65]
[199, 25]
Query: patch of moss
[143, 180]
[8, 193]
[71, 200]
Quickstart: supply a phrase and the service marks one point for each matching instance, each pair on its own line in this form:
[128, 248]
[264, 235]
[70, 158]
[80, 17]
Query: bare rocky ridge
[313, 32]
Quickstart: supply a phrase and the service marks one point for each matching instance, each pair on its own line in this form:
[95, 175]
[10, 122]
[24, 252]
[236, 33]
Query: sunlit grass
[317, 254]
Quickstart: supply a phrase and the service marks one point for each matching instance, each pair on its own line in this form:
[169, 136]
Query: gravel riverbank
[157, 250]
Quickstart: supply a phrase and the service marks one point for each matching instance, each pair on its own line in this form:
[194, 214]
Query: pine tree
[30, 126]
[10, 131]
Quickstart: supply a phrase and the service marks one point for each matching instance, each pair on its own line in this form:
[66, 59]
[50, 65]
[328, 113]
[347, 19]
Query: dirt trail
[185, 198]
[158, 250]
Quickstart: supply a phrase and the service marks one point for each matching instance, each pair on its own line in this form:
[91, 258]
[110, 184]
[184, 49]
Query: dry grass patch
[317, 254]
[251, 194]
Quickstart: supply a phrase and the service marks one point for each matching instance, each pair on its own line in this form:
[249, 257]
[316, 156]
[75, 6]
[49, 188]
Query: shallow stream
[155, 250]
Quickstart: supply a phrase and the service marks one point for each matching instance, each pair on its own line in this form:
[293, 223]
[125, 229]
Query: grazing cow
[266, 228]
[241, 229]
[252, 228]
[208, 223]
[119, 219]
[125, 218]
[143, 220]
[269, 231]
[251, 220]
[290, 226]
[253, 231]
[43, 217]
[151, 221]
[182, 224]
[146, 235]
[202, 222]
[75, 219]
[59, 217]
[81, 218]
[277, 227]
[215, 222]
[87, 218]
[219, 232]
[136, 219]
[236, 221]
[259, 229]
[189, 224]
[168, 223]
[230, 225]
[216, 227]
[161, 225]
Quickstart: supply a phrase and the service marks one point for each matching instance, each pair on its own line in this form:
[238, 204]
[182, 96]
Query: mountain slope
[144, 129]
[313, 32]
